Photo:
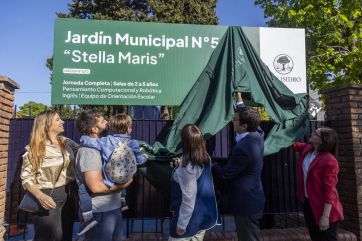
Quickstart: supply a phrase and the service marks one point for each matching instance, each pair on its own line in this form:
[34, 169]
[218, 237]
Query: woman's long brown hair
[329, 139]
[39, 136]
[193, 146]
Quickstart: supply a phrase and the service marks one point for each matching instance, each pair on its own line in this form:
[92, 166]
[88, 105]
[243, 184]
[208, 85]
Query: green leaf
[292, 12]
[343, 17]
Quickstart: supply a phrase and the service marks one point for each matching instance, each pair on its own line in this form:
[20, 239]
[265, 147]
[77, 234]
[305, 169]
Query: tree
[165, 11]
[283, 60]
[31, 109]
[64, 111]
[333, 36]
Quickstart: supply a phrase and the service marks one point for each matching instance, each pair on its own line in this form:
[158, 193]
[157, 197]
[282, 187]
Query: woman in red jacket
[317, 179]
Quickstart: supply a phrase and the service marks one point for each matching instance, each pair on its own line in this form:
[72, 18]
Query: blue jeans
[109, 227]
[85, 200]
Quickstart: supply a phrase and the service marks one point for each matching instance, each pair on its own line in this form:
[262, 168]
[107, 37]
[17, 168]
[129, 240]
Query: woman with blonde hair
[48, 174]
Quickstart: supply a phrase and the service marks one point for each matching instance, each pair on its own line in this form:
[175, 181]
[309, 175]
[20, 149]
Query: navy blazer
[243, 175]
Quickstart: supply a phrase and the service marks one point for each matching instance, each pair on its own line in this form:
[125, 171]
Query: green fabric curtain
[234, 66]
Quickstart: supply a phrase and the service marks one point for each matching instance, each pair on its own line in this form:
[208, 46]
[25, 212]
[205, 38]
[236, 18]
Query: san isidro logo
[283, 64]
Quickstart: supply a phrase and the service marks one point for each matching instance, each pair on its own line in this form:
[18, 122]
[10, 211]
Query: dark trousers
[56, 224]
[315, 233]
[247, 227]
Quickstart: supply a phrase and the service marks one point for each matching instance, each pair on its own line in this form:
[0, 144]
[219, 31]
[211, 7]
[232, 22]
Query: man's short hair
[120, 123]
[250, 117]
[87, 120]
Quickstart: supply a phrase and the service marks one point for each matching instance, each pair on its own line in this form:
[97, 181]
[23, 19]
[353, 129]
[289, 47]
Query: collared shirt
[306, 164]
[240, 104]
[240, 136]
[46, 176]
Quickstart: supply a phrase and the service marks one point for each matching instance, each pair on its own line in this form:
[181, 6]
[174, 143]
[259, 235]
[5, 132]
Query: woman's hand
[47, 201]
[180, 231]
[176, 160]
[324, 223]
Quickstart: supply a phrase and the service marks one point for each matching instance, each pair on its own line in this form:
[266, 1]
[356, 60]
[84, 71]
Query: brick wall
[344, 111]
[7, 87]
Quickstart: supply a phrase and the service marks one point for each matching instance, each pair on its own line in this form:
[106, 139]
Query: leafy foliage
[165, 11]
[263, 114]
[333, 34]
[31, 109]
[65, 111]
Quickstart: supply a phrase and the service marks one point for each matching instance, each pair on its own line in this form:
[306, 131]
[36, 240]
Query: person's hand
[46, 201]
[324, 223]
[125, 185]
[238, 97]
[165, 116]
[180, 231]
[176, 160]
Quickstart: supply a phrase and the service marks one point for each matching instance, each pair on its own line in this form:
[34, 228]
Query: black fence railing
[149, 209]
[71, 111]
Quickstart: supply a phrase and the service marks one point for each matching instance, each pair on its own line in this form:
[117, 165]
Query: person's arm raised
[239, 100]
[238, 97]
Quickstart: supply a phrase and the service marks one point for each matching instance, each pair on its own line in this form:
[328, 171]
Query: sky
[27, 34]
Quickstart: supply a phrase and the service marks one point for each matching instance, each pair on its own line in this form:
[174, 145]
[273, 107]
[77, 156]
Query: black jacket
[243, 175]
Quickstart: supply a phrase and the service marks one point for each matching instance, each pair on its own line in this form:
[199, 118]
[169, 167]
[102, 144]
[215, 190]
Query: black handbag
[31, 204]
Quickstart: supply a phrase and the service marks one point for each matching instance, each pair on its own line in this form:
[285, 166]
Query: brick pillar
[344, 113]
[7, 87]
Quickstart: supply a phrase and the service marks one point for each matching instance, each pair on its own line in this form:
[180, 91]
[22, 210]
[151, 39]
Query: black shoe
[86, 226]
[124, 208]
[124, 205]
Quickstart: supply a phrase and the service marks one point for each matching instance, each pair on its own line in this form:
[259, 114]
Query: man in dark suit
[242, 172]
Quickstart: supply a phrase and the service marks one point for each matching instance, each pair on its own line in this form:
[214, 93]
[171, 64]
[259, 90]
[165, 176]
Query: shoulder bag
[30, 203]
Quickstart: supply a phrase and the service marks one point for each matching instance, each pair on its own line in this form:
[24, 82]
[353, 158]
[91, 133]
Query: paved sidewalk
[210, 236]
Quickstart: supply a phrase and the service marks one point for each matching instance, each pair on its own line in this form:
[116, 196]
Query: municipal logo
[240, 56]
[239, 59]
[283, 64]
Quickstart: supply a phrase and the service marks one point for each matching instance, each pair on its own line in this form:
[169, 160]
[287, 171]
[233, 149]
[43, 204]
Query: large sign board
[112, 63]
[131, 63]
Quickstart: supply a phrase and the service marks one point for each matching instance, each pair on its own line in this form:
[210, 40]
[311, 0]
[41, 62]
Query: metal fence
[148, 204]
